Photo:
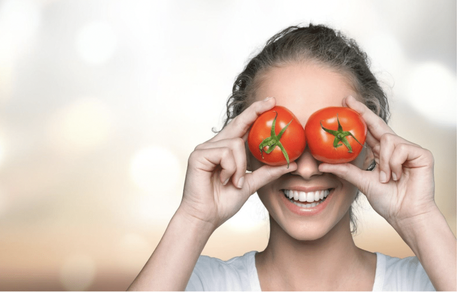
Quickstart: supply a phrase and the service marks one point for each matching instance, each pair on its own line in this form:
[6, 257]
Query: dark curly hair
[314, 43]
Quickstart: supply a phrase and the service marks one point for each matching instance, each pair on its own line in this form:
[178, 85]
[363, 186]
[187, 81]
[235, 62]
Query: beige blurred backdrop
[101, 102]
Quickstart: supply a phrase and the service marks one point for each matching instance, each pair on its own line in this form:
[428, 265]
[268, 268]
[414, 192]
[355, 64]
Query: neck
[317, 264]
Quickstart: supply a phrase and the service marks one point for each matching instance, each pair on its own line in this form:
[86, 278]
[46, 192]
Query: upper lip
[295, 183]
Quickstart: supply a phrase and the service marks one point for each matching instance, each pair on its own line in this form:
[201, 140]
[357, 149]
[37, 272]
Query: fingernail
[383, 177]
[395, 178]
[226, 181]
[268, 98]
[240, 182]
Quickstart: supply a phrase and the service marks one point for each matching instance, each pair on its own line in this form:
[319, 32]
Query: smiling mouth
[306, 199]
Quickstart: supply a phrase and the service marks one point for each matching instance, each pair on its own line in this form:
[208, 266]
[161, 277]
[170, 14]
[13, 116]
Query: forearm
[172, 262]
[434, 244]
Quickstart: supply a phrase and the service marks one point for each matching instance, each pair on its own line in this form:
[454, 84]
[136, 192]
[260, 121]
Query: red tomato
[335, 134]
[277, 137]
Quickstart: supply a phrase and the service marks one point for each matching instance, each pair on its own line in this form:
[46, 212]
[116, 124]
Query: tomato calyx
[274, 141]
[340, 136]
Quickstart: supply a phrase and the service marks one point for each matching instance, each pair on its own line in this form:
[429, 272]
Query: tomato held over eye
[335, 134]
[277, 137]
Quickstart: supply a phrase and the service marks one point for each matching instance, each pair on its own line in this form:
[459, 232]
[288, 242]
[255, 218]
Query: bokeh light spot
[81, 125]
[156, 169]
[19, 20]
[432, 92]
[96, 42]
[392, 54]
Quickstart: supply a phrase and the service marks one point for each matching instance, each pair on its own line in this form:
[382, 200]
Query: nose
[307, 165]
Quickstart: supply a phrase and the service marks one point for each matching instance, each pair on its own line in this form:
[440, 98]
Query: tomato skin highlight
[321, 143]
[293, 138]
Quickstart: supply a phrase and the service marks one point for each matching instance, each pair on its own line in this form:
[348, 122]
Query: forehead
[304, 87]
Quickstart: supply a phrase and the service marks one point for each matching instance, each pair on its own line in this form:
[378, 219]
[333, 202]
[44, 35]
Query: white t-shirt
[240, 274]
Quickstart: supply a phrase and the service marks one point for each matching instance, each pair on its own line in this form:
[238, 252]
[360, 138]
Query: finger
[351, 173]
[375, 124]
[238, 147]
[387, 146]
[409, 155]
[394, 152]
[371, 141]
[209, 160]
[264, 175]
[228, 165]
[241, 124]
[396, 162]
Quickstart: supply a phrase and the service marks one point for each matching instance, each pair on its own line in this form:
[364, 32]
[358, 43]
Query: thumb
[351, 173]
[264, 175]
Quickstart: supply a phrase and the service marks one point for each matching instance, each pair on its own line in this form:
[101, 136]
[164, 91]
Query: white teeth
[302, 196]
[314, 198]
[318, 195]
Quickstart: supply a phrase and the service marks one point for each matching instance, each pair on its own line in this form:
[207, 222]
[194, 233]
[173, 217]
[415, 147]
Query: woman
[310, 248]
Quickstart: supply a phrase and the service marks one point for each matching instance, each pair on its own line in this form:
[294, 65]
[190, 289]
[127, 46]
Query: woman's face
[305, 88]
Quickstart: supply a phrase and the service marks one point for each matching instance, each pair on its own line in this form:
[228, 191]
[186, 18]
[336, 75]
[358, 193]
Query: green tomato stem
[340, 136]
[274, 141]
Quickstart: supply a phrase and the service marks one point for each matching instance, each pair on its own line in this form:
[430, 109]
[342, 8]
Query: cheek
[348, 188]
[351, 191]
[264, 196]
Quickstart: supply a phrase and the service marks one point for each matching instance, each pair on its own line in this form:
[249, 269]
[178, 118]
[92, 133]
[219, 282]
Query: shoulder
[400, 274]
[238, 273]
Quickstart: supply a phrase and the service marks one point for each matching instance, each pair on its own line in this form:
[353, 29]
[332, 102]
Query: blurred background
[101, 103]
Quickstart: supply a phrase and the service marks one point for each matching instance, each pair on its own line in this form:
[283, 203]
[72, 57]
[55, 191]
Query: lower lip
[306, 211]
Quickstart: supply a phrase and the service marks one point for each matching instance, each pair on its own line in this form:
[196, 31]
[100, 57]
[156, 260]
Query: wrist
[186, 217]
[432, 241]
[420, 228]
[418, 219]
[172, 262]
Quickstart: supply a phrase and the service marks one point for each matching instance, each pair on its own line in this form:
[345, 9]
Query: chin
[307, 232]
[311, 230]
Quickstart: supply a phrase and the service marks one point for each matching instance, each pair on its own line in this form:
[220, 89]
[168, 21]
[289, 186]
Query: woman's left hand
[401, 189]
[401, 186]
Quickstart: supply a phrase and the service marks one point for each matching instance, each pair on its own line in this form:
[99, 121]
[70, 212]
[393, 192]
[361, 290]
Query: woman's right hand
[216, 187]
[216, 184]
